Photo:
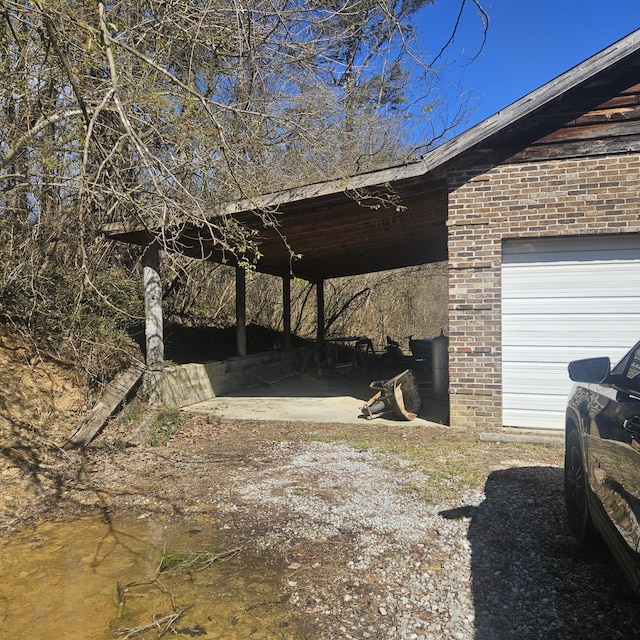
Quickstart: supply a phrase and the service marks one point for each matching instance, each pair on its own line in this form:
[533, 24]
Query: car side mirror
[594, 370]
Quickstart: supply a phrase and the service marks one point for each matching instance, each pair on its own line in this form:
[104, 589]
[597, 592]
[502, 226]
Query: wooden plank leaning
[113, 395]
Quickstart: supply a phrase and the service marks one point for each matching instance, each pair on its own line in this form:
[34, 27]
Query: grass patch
[133, 411]
[191, 561]
[451, 459]
[164, 426]
[161, 425]
[449, 464]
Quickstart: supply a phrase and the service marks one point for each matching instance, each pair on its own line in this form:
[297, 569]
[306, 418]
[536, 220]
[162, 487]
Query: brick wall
[544, 199]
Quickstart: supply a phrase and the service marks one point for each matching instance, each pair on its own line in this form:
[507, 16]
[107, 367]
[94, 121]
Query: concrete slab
[305, 398]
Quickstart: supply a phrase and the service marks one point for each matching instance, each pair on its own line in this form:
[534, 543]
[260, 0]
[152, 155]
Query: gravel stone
[367, 547]
[492, 564]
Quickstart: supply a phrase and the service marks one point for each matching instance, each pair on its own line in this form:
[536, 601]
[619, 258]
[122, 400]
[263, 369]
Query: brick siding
[573, 197]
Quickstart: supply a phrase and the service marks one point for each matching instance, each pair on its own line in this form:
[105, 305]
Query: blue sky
[529, 42]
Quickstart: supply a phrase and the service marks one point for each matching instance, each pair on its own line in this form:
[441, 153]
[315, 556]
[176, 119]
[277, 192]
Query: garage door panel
[563, 299]
[586, 248]
[524, 418]
[571, 281]
[553, 334]
[521, 380]
[542, 403]
[576, 306]
[526, 409]
[558, 355]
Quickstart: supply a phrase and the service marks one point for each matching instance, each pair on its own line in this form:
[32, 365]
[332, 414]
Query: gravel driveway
[432, 534]
[491, 564]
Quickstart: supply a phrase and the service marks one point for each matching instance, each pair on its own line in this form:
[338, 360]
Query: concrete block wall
[181, 385]
[571, 197]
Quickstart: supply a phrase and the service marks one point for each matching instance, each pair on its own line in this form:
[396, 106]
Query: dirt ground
[40, 405]
[40, 479]
[197, 467]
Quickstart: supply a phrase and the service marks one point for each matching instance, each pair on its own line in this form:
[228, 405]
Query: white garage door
[563, 299]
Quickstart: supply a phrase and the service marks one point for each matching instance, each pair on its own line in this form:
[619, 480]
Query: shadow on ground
[530, 578]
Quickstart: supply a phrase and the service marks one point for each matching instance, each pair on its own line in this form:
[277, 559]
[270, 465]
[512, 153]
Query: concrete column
[286, 311]
[153, 308]
[320, 311]
[241, 312]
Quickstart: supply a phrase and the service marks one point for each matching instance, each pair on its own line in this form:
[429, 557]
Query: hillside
[39, 405]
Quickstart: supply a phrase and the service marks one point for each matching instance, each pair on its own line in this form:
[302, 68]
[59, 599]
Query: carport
[407, 215]
[373, 222]
[558, 167]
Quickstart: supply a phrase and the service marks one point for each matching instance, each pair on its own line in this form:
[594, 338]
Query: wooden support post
[241, 312]
[320, 311]
[286, 312]
[153, 308]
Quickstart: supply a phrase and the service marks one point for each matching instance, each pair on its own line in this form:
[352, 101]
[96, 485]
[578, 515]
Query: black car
[602, 456]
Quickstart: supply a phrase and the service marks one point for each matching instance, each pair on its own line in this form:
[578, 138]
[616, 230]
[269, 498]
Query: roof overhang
[396, 217]
[326, 231]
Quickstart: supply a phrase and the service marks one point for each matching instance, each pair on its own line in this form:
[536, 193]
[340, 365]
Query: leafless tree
[156, 110]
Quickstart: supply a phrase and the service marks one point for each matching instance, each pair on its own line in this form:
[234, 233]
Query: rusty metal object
[397, 397]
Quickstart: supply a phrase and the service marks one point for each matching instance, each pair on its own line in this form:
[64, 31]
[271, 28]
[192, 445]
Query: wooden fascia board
[534, 101]
[326, 192]
[115, 229]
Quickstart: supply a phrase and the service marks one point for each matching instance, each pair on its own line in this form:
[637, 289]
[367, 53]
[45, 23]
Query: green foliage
[181, 561]
[133, 412]
[166, 423]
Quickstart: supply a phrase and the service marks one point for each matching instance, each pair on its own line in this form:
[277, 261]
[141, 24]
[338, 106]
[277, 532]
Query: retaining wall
[182, 385]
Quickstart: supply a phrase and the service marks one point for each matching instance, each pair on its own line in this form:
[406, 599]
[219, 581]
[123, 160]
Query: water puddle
[95, 579]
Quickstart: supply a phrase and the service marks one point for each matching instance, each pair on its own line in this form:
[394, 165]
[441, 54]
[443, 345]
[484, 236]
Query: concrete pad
[305, 398]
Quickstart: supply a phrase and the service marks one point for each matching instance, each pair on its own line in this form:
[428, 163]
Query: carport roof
[337, 231]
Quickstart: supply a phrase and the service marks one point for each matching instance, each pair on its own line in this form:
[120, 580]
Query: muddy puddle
[97, 578]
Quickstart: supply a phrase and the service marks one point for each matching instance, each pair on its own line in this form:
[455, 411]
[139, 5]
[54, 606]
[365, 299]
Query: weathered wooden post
[320, 311]
[241, 312]
[153, 307]
[153, 320]
[286, 312]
